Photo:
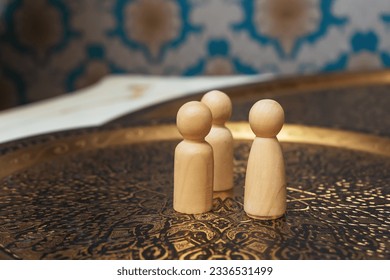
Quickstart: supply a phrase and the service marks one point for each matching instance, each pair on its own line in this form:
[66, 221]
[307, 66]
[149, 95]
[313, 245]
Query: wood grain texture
[194, 164]
[193, 178]
[221, 139]
[265, 181]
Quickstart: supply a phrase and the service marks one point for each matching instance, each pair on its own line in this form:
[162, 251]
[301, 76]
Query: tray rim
[23, 158]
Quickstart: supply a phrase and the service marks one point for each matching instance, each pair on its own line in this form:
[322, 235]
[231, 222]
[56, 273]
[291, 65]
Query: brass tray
[106, 192]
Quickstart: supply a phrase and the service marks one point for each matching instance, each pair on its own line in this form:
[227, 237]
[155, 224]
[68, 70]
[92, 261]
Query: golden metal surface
[107, 193]
[241, 131]
[109, 196]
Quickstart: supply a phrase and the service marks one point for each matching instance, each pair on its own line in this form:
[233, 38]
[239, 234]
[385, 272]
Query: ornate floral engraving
[116, 203]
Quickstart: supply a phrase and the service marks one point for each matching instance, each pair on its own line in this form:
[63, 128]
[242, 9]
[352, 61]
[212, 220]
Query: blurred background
[52, 47]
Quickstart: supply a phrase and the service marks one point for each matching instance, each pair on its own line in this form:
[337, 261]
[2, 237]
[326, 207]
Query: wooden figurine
[193, 166]
[221, 139]
[265, 181]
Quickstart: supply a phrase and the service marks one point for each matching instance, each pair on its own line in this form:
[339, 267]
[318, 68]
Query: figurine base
[264, 217]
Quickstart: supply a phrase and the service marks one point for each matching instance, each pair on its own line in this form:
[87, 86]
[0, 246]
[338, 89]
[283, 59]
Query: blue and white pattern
[48, 47]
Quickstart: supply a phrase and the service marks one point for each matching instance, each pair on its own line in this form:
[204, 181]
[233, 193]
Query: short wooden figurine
[193, 166]
[221, 139]
[265, 181]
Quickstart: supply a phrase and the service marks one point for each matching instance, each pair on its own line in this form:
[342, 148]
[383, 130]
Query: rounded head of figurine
[194, 120]
[219, 104]
[266, 118]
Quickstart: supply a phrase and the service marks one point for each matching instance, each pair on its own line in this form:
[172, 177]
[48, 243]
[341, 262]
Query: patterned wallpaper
[48, 47]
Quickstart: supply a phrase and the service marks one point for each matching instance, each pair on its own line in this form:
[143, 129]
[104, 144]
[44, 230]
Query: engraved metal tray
[106, 192]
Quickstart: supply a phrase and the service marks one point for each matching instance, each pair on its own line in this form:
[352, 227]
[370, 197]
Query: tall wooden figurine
[194, 166]
[221, 139]
[265, 181]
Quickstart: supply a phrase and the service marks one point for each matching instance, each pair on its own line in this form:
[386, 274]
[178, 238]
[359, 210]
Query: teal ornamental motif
[288, 24]
[386, 19]
[365, 54]
[219, 61]
[12, 83]
[91, 69]
[385, 56]
[39, 28]
[154, 26]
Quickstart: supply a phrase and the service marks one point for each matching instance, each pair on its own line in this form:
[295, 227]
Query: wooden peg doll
[193, 167]
[265, 181]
